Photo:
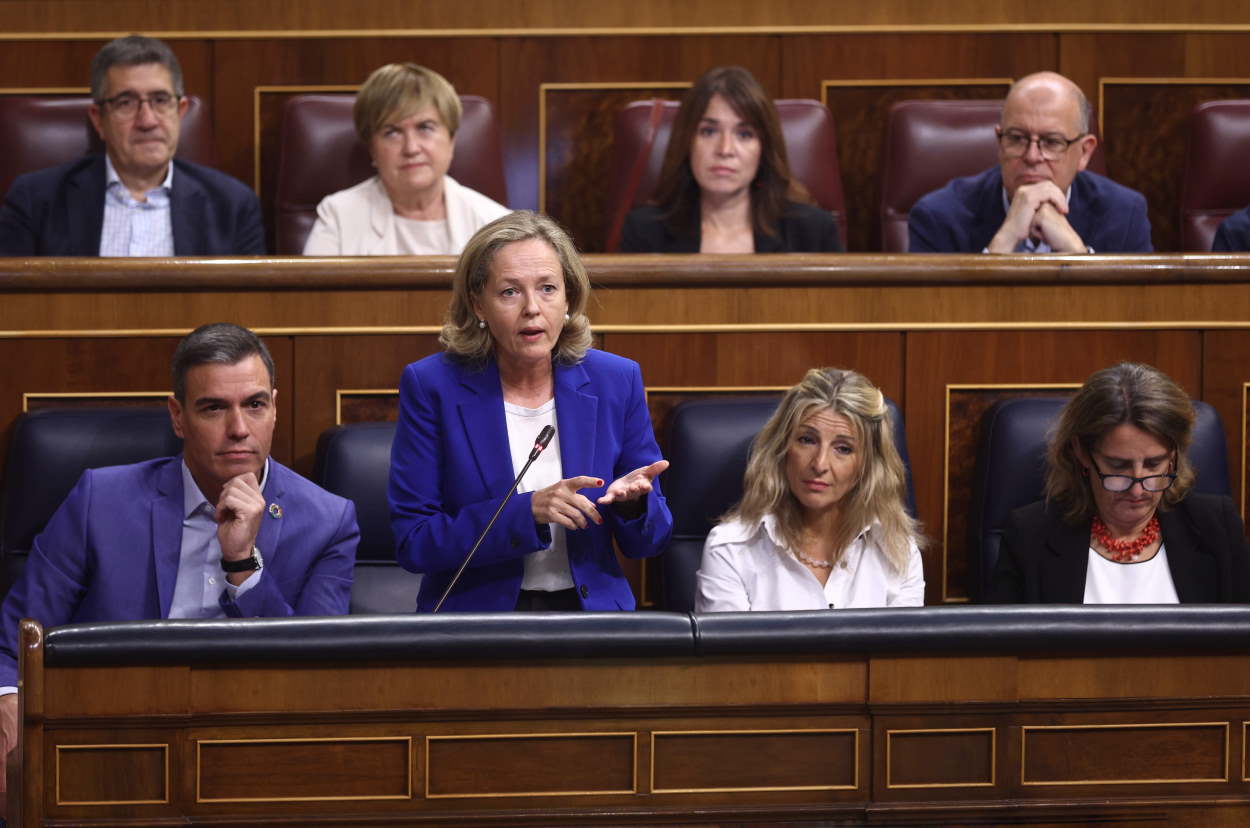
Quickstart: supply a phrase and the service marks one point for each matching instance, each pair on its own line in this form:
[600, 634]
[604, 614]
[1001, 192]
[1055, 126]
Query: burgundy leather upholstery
[38, 131]
[321, 154]
[927, 144]
[810, 143]
[1217, 178]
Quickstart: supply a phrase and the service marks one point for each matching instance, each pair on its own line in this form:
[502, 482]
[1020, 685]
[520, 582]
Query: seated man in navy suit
[1040, 198]
[221, 531]
[1233, 235]
[136, 199]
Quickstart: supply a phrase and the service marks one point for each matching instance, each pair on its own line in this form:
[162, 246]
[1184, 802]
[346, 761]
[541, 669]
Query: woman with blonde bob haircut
[822, 522]
[1120, 524]
[518, 361]
[407, 115]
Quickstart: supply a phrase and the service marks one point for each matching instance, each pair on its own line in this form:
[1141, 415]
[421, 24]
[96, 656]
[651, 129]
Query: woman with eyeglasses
[1119, 524]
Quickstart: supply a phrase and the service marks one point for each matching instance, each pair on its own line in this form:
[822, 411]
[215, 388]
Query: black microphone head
[544, 437]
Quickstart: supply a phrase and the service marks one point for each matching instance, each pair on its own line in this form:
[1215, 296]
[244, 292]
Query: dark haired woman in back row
[725, 186]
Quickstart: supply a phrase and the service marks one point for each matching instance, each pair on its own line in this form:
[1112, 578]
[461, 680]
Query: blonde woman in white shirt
[407, 115]
[822, 522]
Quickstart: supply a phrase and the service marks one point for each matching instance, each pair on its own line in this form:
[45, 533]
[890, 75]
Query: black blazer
[1043, 560]
[803, 229]
[59, 211]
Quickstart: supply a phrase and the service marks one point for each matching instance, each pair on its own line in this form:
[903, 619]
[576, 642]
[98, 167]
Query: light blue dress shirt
[136, 228]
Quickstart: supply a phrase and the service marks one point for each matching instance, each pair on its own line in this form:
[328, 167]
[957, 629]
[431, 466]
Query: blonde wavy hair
[461, 335]
[877, 497]
[400, 90]
[1126, 393]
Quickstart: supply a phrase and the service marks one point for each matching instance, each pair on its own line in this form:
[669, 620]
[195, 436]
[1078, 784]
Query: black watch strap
[248, 564]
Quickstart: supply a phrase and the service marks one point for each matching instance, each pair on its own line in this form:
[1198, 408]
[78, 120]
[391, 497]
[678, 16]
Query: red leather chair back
[38, 131]
[927, 144]
[1217, 178]
[320, 154]
[643, 129]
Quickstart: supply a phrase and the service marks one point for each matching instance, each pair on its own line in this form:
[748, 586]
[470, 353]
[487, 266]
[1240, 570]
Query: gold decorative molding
[164, 748]
[27, 396]
[340, 393]
[852, 787]
[826, 85]
[1024, 741]
[289, 89]
[1103, 83]
[890, 785]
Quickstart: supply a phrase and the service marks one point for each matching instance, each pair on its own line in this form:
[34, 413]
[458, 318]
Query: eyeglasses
[1052, 147]
[127, 105]
[1124, 482]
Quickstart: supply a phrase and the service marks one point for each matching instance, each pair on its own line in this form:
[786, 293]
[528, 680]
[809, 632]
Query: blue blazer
[111, 552]
[450, 468]
[60, 212]
[1233, 234]
[963, 216]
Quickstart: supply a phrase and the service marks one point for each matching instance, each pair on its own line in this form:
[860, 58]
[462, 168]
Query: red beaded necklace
[1124, 551]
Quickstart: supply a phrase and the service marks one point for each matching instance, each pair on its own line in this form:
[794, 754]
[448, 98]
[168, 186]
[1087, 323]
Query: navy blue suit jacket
[963, 216]
[111, 552]
[1233, 234]
[450, 468]
[60, 212]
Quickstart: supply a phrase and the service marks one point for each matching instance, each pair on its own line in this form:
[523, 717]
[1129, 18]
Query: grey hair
[133, 50]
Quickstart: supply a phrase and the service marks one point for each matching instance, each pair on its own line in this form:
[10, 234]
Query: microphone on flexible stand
[540, 443]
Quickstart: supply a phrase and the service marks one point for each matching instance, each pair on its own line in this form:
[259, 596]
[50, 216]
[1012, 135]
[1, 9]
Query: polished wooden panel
[567, 764]
[1226, 385]
[1145, 753]
[760, 760]
[112, 774]
[260, 770]
[940, 758]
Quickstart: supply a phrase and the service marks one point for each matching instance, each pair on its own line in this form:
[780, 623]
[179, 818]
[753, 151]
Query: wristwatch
[246, 565]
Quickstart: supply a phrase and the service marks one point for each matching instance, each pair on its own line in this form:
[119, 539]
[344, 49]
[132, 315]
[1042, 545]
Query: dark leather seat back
[50, 449]
[927, 144]
[641, 139]
[1011, 469]
[38, 131]
[354, 461]
[1217, 178]
[320, 154]
[708, 444]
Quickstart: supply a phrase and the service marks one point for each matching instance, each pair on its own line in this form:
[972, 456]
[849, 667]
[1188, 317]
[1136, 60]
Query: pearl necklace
[1124, 551]
[813, 561]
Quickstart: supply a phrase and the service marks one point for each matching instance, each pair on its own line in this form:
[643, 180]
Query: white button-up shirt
[749, 567]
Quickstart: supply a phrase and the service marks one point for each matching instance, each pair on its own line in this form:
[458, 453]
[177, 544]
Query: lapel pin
[275, 511]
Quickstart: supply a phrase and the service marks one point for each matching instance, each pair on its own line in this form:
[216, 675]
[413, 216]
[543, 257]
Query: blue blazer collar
[86, 187]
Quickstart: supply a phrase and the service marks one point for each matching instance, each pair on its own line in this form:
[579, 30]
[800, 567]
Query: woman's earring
[567, 317]
[481, 323]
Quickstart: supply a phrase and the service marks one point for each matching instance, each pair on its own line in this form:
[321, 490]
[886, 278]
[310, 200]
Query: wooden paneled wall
[557, 71]
[944, 336]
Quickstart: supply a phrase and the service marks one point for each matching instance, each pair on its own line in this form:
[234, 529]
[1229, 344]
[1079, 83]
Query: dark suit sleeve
[1137, 233]
[826, 240]
[54, 579]
[1231, 236]
[18, 234]
[250, 238]
[1238, 553]
[1007, 584]
[926, 232]
[325, 590]
[634, 235]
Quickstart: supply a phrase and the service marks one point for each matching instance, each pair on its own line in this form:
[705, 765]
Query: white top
[360, 221]
[547, 569]
[1140, 582]
[748, 567]
[421, 238]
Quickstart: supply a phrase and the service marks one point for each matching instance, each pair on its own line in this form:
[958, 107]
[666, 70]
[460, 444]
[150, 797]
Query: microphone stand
[544, 438]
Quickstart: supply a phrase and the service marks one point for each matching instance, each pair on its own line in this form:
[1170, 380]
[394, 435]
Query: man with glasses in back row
[1040, 198]
[136, 199]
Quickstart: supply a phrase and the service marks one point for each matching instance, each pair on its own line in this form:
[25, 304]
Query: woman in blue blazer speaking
[517, 358]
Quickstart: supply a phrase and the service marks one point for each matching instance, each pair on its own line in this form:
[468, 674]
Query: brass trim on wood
[826, 85]
[200, 798]
[1024, 734]
[993, 731]
[946, 460]
[44, 90]
[633, 767]
[340, 393]
[543, 88]
[165, 753]
[852, 787]
[27, 396]
[1103, 83]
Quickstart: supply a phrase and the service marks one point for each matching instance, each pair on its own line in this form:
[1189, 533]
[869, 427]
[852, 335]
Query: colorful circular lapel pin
[275, 510]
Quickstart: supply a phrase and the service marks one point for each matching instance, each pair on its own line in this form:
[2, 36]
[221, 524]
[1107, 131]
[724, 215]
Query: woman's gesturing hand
[560, 503]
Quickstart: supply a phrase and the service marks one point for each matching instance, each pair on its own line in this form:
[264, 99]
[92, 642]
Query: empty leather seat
[708, 444]
[641, 139]
[50, 449]
[1217, 178]
[321, 154]
[354, 461]
[38, 131]
[1011, 469]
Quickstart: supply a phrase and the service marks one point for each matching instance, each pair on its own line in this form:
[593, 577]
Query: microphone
[540, 443]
